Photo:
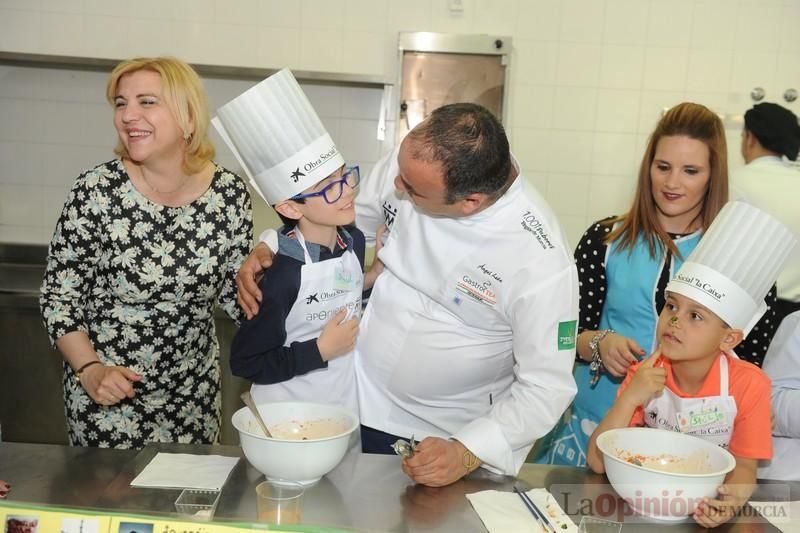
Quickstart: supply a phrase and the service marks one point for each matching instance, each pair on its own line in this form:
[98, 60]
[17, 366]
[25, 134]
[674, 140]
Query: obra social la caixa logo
[314, 163]
[602, 501]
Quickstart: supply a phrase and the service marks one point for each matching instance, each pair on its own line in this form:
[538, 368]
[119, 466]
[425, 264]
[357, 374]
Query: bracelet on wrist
[84, 367]
[596, 364]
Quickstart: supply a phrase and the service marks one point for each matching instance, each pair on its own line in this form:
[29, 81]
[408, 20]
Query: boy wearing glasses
[298, 347]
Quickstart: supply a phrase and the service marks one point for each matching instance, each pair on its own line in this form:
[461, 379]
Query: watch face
[469, 460]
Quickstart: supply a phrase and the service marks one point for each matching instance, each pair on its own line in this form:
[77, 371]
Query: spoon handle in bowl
[248, 401]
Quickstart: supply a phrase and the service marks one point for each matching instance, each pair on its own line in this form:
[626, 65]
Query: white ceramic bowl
[654, 493]
[302, 461]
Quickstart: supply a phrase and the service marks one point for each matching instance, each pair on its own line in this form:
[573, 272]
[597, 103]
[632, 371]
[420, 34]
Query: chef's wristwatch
[469, 460]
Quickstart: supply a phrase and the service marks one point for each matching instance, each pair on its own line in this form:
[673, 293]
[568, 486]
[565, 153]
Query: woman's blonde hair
[696, 122]
[184, 95]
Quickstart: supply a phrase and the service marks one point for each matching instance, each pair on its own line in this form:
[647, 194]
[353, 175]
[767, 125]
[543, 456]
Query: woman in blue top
[625, 262]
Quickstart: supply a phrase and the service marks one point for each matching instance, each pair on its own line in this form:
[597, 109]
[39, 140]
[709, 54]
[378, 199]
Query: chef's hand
[338, 337]
[714, 512]
[438, 462]
[377, 265]
[4, 488]
[109, 385]
[648, 381]
[247, 292]
[618, 353]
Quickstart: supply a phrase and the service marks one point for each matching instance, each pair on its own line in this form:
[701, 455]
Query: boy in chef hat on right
[299, 345]
[711, 304]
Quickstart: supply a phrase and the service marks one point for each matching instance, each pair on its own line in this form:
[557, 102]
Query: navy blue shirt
[258, 352]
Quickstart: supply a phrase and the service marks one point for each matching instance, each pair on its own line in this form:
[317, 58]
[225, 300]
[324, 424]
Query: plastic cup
[279, 502]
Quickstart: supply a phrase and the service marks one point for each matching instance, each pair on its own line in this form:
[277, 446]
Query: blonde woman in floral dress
[146, 246]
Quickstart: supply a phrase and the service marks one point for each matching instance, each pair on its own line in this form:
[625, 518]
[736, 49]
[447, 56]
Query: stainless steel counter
[364, 493]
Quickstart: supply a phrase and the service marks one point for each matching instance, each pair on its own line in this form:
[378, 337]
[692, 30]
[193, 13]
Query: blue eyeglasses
[334, 190]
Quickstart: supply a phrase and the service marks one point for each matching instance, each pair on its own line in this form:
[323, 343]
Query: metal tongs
[404, 448]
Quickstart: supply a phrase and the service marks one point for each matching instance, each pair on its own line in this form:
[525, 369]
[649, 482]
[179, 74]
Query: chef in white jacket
[769, 182]
[469, 337]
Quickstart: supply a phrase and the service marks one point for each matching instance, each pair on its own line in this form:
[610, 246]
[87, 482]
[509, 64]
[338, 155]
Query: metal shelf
[213, 71]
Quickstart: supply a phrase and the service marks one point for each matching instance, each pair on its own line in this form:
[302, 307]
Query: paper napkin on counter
[185, 471]
[505, 511]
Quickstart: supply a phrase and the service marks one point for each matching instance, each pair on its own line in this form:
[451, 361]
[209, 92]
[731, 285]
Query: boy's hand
[739, 486]
[714, 512]
[247, 292]
[648, 381]
[338, 337]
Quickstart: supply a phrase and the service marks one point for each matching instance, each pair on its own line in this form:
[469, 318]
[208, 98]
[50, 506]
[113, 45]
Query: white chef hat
[735, 264]
[278, 138]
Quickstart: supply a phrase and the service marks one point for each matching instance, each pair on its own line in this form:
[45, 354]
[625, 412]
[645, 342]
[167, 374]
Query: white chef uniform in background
[771, 184]
[782, 365]
[470, 331]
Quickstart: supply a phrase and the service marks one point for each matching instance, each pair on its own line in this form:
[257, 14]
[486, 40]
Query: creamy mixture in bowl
[695, 463]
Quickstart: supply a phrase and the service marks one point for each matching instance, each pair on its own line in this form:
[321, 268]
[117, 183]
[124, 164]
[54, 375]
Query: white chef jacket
[461, 335]
[377, 200]
[772, 185]
[782, 365]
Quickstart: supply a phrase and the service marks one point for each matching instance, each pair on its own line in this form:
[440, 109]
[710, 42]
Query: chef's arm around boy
[249, 279]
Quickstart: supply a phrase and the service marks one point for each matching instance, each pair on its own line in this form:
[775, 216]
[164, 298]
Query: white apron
[709, 417]
[326, 287]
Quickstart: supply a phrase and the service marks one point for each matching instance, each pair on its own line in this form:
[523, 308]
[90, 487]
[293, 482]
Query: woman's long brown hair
[696, 122]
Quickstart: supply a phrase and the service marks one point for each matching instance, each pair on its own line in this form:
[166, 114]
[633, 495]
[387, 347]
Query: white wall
[55, 123]
[589, 77]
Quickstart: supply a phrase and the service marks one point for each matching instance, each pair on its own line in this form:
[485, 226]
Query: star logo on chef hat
[296, 175]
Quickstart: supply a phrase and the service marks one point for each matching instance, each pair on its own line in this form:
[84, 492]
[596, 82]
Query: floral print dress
[142, 280]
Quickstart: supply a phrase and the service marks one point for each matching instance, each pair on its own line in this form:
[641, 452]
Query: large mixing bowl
[302, 461]
[696, 469]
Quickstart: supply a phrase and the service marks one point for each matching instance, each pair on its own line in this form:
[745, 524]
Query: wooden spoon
[248, 401]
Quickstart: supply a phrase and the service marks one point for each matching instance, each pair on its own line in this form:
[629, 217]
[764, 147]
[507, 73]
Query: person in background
[770, 183]
[468, 340]
[299, 345]
[693, 383]
[625, 262]
[782, 365]
[5, 488]
[146, 247]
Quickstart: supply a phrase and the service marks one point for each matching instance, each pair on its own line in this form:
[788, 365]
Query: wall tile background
[589, 79]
